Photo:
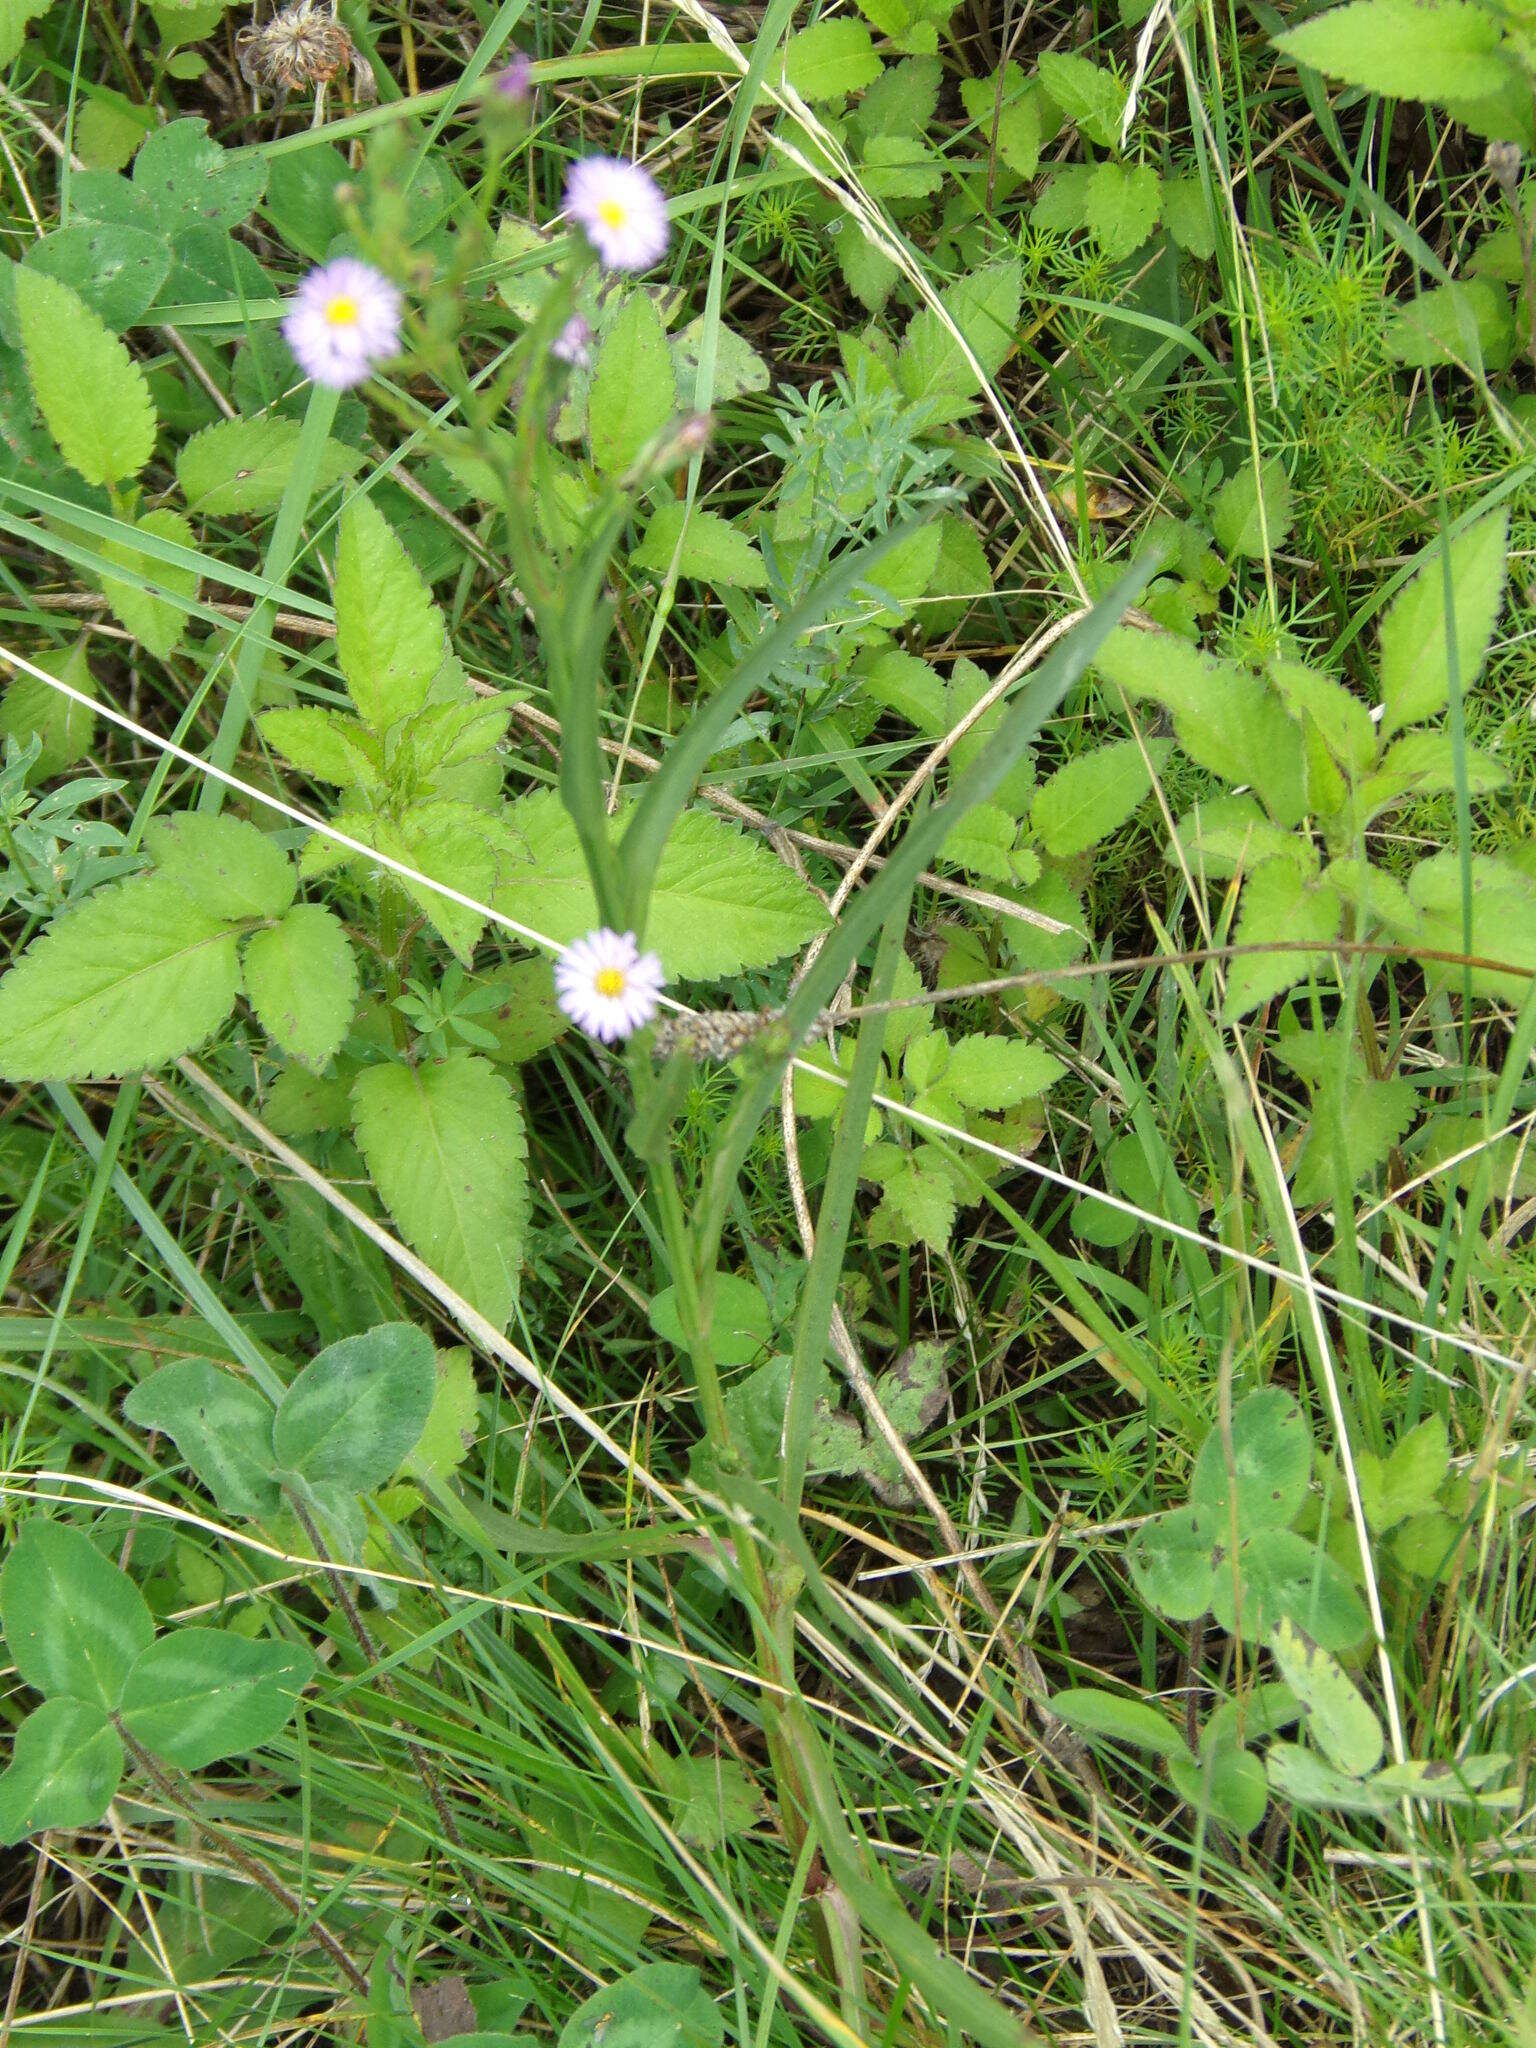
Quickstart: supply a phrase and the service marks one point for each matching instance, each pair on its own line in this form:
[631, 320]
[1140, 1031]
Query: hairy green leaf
[91, 393]
[301, 980]
[73, 1622]
[199, 1694]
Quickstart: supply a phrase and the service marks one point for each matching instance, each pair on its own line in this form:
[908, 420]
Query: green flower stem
[251, 647]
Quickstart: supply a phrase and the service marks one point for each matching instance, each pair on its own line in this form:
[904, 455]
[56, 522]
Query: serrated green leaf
[1340, 1721]
[1503, 921]
[830, 60]
[14, 18]
[1467, 322]
[221, 1425]
[1417, 635]
[712, 550]
[328, 745]
[1089, 96]
[243, 466]
[987, 1071]
[445, 1146]
[64, 728]
[1013, 113]
[390, 638]
[134, 977]
[722, 902]
[357, 1409]
[1406, 49]
[229, 867]
[634, 393]
[73, 1622]
[1121, 206]
[1087, 799]
[917, 1205]
[1242, 499]
[1408, 1481]
[91, 393]
[66, 1763]
[301, 980]
[199, 1694]
[932, 367]
[152, 597]
[1278, 903]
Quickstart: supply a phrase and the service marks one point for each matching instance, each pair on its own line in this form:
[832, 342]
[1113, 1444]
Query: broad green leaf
[133, 978]
[192, 181]
[1271, 1464]
[199, 1694]
[243, 466]
[1121, 206]
[1343, 720]
[1303, 1777]
[739, 369]
[1278, 903]
[390, 639]
[116, 269]
[452, 1420]
[962, 577]
[1226, 1781]
[1407, 1481]
[356, 1411]
[301, 980]
[1013, 114]
[713, 551]
[1114, 1717]
[830, 60]
[64, 728]
[1063, 201]
[714, 1800]
[108, 128]
[900, 682]
[527, 1018]
[91, 393]
[722, 901]
[73, 1622]
[903, 100]
[634, 393]
[327, 745]
[1242, 499]
[1171, 1560]
[1418, 636]
[1407, 49]
[662, 2005]
[1188, 217]
[66, 1763]
[1503, 921]
[1462, 1782]
[739, 1323]
[1086, 93]
[222, 1427]
[446, 842]
[445, 1146]
[988, 1071]
[14, 17]
[1368, 1115]
[152, 597]
[1339, 1719]
[1469, 323]
[917, 1203]
[932, 367]
[1087, 799]
[1277, 1575]
[229, 868]
[867, 271]
[1423, 762]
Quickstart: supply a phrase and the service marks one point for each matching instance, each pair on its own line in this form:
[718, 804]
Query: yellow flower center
[611, 213]
[342, 312]
[609, 981]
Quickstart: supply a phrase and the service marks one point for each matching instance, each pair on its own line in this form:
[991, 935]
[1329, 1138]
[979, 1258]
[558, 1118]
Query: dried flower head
[621, 211]
[343, 321]
[299, 49]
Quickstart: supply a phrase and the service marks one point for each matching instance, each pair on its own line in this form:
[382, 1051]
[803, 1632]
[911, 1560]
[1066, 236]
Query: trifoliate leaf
[66, 1763]
[74, 1623]
[220, 1424]
[192, 181]
[198, 1694]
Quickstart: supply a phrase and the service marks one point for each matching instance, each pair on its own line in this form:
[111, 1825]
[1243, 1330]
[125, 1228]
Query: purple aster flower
[621, 211]
[342, 322]
[573, 344]
[607, 986]
[514, 82]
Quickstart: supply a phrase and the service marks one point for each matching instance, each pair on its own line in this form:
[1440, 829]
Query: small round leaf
[355, 1412]
[66, 1762]
[199, 1694]
[74, 1623]
[1271, 1462]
